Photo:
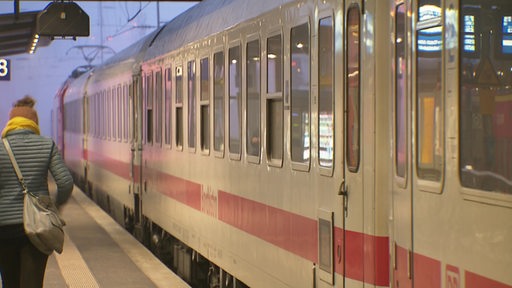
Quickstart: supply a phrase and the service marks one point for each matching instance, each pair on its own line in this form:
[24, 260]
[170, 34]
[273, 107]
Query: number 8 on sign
[4, 69]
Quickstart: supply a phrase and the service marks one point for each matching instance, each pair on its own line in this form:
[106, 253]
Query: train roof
[203, 19]
[206, 18]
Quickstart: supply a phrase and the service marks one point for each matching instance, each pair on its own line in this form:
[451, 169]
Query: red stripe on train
[366, 255]
[476, 281]
[292, 232]
[428, 271]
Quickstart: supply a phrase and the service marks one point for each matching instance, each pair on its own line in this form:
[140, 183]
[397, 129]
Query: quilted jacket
[36, 155]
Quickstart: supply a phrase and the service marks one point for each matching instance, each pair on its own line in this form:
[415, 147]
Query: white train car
[111, 141]
[68, 121]
[312, 143]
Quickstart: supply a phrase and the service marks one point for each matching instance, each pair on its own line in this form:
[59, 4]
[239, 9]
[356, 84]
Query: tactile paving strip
[74, 270]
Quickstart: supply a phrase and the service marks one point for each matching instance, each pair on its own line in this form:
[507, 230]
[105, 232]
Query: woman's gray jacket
[36, 155]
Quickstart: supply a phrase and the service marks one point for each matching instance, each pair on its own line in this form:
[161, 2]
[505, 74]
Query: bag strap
[15, 165]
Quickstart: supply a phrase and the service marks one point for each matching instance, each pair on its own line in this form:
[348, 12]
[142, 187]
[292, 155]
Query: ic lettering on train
[209, 201]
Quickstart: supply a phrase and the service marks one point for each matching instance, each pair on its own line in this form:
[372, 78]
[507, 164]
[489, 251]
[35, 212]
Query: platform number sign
[5, 69]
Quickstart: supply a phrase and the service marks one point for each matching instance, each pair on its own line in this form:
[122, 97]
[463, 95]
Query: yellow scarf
[17, 123]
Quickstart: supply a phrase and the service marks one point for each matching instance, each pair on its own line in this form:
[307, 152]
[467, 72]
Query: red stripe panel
[353, 254]
[366, 257]
[401, 272]
[179, 189]
[376, 260]
[427, 272]
[85, 154]
[299, 235]
[122, 169]
[476, 281]
[292, 232]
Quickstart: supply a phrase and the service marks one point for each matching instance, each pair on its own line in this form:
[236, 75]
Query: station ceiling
[17, 29]
[16, 32]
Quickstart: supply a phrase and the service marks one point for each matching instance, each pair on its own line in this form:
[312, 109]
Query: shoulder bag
[41, 219]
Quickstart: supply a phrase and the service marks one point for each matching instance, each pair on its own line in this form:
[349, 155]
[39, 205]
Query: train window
[253, 98]
[274, 64]
[275, 121]
[106, 94]
[275, 99]
[113, 110]
[167, 105]
[125, 112]
[325, 92]
[205, 104]
[119, 113]
[400, 92]
[191, 90]
[102, 106]
[179, 107]
[119, 108]
[89, 116]
[131, 106]
[113, 113]
[486, 101]
[353, 88]
[218, 101]
[94, 114]
[300, 94]
[429, 114]
[235, 101]
[98, 113]
[109, 114]
[149, 108]
[179, 85]
[158, 106]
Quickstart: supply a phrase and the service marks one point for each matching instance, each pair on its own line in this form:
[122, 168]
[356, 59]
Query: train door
[401, 230]
[358, 143]
[135, 106]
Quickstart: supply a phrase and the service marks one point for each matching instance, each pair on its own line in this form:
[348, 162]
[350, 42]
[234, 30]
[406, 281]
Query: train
[307, 143]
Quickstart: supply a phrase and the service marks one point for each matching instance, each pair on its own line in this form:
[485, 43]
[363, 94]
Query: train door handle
[342, 191]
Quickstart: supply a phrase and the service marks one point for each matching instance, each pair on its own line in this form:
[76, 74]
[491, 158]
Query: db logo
[452, 277]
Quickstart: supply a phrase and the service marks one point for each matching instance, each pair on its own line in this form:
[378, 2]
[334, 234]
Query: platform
[98, 252]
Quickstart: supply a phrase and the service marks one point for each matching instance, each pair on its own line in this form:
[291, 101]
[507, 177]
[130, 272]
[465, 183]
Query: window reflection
[400, 104]
[300, 93]
[353, 89]
[325, 94]
[486, 96]
[253, 79]
[429, 96]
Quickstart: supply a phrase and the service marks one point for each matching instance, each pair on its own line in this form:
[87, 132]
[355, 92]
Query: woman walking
[22, 265]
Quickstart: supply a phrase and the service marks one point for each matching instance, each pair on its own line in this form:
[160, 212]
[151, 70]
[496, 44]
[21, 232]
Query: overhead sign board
[62, 19]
